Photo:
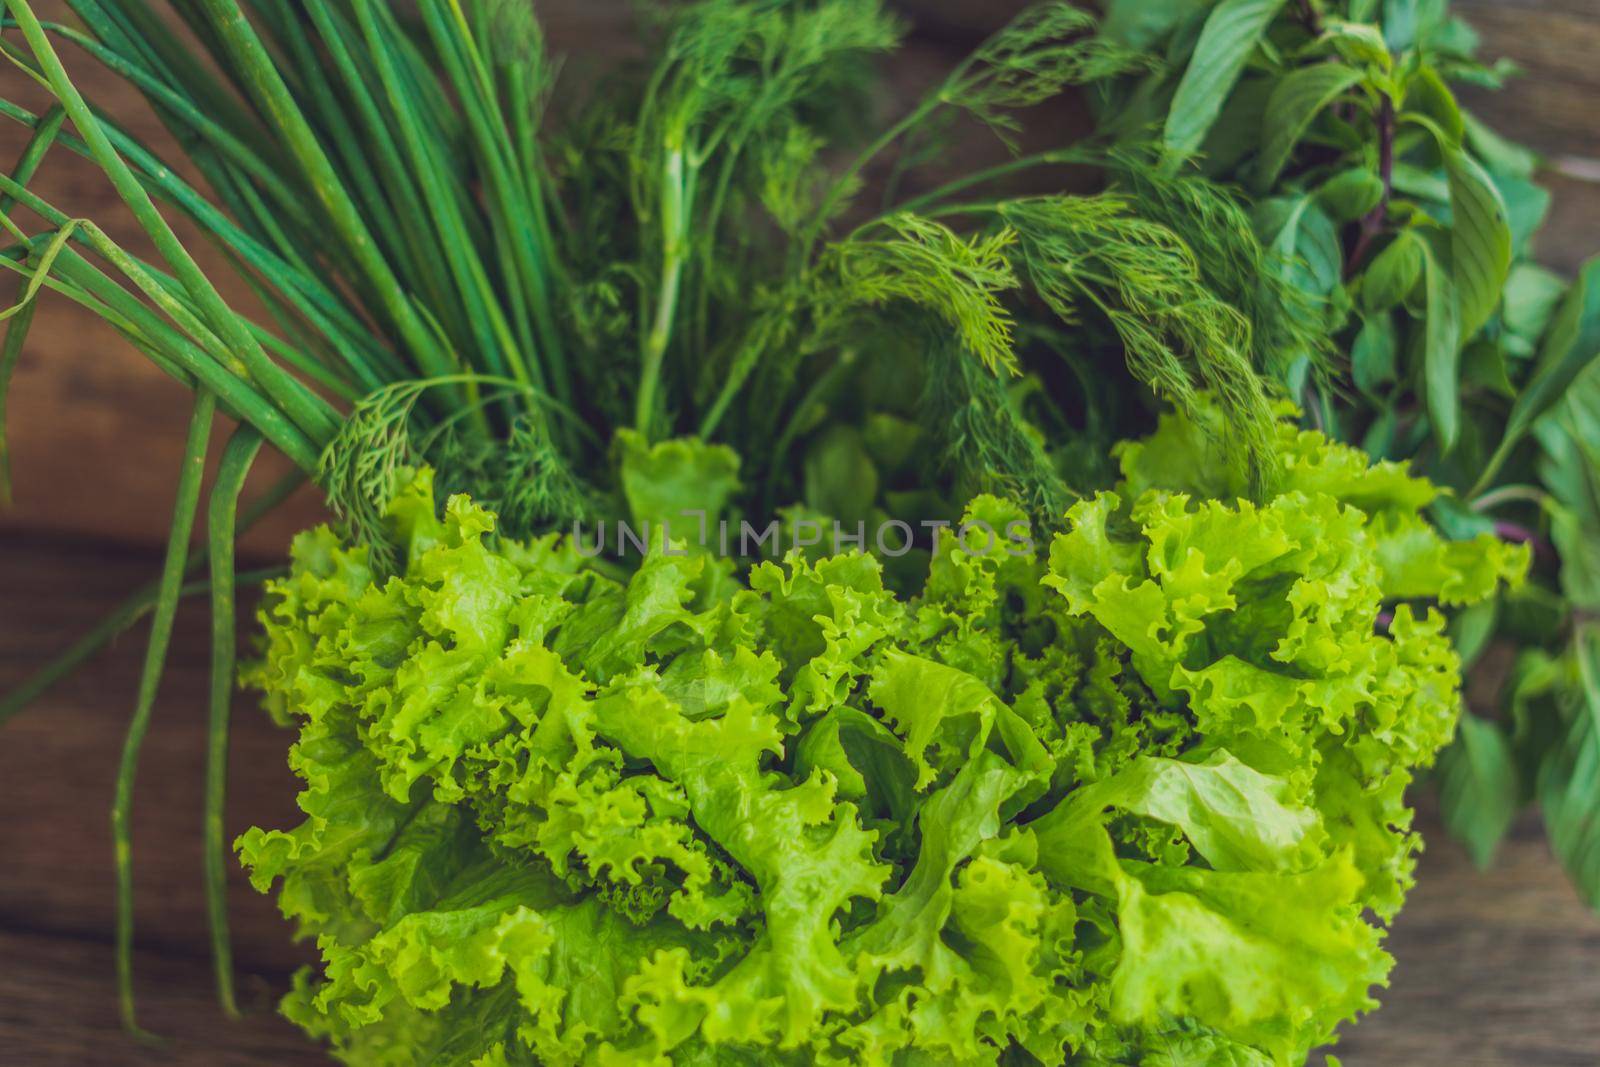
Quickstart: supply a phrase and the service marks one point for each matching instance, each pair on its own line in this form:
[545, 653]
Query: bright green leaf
[1358, 42]
[1427, 94]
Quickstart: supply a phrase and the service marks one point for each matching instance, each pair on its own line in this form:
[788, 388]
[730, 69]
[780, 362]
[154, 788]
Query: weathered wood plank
[58, 1008]
[58, 761]
[1499, 968]
[1549, 107]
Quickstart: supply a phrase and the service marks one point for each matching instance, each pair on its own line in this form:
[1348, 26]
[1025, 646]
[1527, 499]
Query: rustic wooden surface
[1500, 968]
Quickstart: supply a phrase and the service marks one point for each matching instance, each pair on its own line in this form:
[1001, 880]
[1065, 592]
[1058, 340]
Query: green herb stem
[298, 404]
[259, 72]
[677, 194]
[237, 458]
[183, 516]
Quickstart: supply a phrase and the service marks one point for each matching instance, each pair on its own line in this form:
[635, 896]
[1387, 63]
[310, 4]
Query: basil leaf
[1480, 241]
[1407, 23]
[1372, 358]
[1306, 240]
[1442, 351]
[1231, 33]
[1139, 24]
[1393, 273]
[1483, 366]
[841, 480]
[1479, 792]
[1427, 94]
[1569, 787]
[1571, 344]
[1350, 194]
[1532, 295]
[1296, 100]
[1358, 42]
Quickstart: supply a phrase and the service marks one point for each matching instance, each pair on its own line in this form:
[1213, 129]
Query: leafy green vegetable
[1091, 800]
[460, 266]
[1442, 356]
[1465, 357]
[1295, 102]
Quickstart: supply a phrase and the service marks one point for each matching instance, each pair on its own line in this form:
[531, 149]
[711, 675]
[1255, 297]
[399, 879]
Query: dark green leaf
[1378, 442]
[1483, 366]
[1480, 241]
[1442, 352]
[1142, 23]
[1372, 358]
[1570, 346]
[1297, 99]
[1302, 234]
[1569, 778]
[1230, 35]
[1457, 520]
[1527, 205]
[1237, 132]
[1394, 273]
[1578, 542]
[1478, 787]
[1472, 628]
[1350, 194]
[841, 480]
[891, 440]
[1533, 615]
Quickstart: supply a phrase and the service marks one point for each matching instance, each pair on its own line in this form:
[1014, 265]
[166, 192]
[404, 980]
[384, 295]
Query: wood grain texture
[58, 1008]
[1496, 969]
[1550, 107]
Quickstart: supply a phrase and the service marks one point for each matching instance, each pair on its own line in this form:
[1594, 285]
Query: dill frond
[990, 446]
[1093, 253]
[922, 261]
[1046, 49]
[1287, 324]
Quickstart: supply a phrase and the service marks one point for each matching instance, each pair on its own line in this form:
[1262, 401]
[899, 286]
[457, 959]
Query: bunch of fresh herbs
[1052, 778]
[1408, 223]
